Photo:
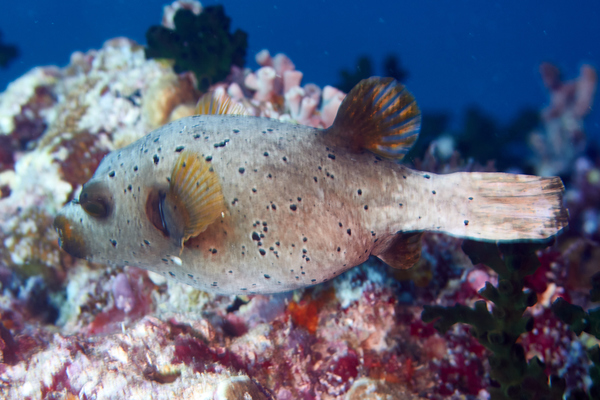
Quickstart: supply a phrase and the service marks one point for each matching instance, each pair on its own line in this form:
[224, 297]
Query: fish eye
[154, 211]
[95, 209]
[94, 201]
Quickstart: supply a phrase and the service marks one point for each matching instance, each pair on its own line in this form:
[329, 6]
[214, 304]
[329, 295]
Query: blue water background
[458, 52]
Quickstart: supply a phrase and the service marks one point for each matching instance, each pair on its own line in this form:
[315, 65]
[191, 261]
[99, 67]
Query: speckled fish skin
[301, 209]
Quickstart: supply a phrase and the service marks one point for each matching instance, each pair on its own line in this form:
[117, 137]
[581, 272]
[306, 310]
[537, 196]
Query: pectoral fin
[401, 250]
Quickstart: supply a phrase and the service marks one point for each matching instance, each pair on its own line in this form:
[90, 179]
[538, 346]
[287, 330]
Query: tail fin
[494, 206]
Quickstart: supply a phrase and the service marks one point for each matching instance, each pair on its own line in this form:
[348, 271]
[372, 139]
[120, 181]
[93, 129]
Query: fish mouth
[68, 238]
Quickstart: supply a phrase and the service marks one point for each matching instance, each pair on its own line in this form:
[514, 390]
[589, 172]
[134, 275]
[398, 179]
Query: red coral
[84, 156]
[202, 358]
[30, 124]
[60, 383]
[346, 367]
[306, 313]
[132, 301]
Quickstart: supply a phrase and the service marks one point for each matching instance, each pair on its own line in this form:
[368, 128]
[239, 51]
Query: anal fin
[400, 251]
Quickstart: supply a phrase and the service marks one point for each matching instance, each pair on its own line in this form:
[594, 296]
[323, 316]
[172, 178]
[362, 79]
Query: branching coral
[199, 43]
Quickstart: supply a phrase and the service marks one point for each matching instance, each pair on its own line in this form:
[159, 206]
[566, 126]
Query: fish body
[296, 205]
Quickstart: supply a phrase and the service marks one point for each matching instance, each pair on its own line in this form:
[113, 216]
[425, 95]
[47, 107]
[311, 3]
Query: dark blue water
[458, 53]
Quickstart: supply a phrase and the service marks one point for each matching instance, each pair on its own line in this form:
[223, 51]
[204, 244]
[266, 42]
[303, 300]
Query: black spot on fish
[331, 156]
[253, 190]
[197, 136]
[366, 207]
[172, 274]
[274, 207]
[230, 271]
[299, 198]
[156, 140]
[315, 178]
[470, 198]
[401, 205]
[293, 207]
[433, 191]
[313, 280]
[266, 154]
[305, 239]
[466, 222]
[303, 251]
[359, 192]
[135, 168]
[208, 158]
[191, 276]
[129, 187]
[221, 144]
[113, 242]
[234, 202]
[147, 242]
[426, 176]
[338, 249]
[255, 236]
[262, 252]
[236, 131]
[241, 170]
[277, 243]
[155, 158]
[265, 229]
[284, 159]
[267, 276]
[269, 176]
[340, 224]
[178, 149]
[111, 174]
[349, 231]
[269, 130]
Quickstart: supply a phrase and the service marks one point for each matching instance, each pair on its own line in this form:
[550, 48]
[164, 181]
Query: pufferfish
[237, 204]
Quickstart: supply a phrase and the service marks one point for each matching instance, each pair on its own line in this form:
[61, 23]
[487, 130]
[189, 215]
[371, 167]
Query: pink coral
[277, 93]
[563, 137]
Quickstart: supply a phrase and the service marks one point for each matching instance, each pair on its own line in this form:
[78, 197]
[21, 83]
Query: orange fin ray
[198, 190]
[379, 115]
[219, 103]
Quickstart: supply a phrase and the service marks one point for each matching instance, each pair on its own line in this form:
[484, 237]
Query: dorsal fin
[194, 200]
[379, 115]
[218, 103]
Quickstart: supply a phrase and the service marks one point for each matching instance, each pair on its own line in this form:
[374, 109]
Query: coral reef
[499, 330]
[70, 329]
